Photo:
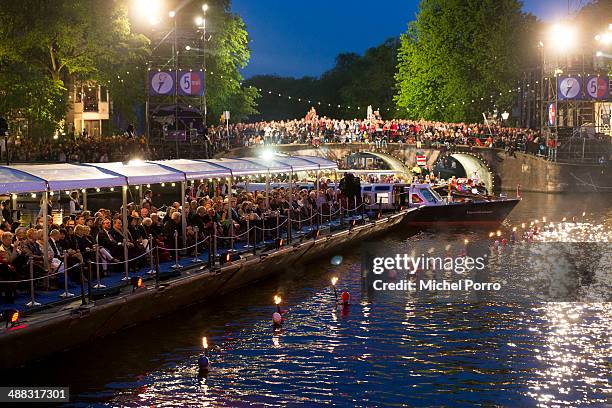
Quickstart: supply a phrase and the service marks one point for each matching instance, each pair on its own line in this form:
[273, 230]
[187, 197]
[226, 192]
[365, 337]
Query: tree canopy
[459, 53]
[44, 44]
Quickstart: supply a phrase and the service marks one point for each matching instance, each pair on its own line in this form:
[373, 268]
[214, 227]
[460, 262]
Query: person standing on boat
[148, 198]
[75, 206]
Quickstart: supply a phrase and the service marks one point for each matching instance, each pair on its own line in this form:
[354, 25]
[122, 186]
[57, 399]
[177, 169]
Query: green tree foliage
[44, 44]
[459, 53]
[355, 81]
[230, 53]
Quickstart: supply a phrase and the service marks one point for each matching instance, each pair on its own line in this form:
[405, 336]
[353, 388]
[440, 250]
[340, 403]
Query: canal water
[387, 348]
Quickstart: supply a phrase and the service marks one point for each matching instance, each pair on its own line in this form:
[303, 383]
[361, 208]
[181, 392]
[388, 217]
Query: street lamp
[562, 37]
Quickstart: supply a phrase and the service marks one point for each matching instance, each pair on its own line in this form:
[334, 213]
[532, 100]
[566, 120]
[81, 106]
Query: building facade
[89, 109]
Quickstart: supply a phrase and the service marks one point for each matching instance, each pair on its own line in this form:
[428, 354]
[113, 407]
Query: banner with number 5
[191, 83]
[598, 87]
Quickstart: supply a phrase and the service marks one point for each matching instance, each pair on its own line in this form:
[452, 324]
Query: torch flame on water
[334, 280]
[499, 233]
[514, 229]
[204, 342]
[491, 234]
[277, 300]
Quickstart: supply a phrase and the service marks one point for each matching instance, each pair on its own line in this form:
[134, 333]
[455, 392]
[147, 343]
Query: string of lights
[312, 102]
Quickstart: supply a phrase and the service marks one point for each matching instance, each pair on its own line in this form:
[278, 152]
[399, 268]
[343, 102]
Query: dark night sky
[297, 38]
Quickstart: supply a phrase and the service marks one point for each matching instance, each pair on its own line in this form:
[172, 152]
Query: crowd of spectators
[380, 133]
[310, 130]
[150, 224]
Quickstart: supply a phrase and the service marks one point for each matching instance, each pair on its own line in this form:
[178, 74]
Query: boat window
[382, 198]
[381, 188]
[428, 194]
[416, 199]
[369, 188]
[436, 194]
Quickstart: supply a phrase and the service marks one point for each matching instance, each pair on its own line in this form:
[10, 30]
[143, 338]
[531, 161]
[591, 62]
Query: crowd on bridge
[312, 130]
[209, 210]
[381, 132]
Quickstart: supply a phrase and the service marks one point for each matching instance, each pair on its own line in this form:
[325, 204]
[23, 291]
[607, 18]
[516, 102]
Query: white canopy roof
[64, 176]
[16, 181]
[195, 169]
[143, 172]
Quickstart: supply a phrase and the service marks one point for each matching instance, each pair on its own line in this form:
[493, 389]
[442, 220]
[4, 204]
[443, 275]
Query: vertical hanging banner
[191, 83]
[598, 87]
[161, 83]
[552, 114]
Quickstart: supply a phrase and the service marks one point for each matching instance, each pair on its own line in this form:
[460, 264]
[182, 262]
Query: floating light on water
[334, 280]
[203, 361]
[336, 260]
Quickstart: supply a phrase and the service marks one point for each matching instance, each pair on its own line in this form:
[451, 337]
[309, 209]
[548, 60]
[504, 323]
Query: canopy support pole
[124, 229]
[14, 206]
[184, 208]
[336, 181]
[318, 184]
[267, 191]
[84, 200]
[289, 226]
[229, 212]
[45, 214]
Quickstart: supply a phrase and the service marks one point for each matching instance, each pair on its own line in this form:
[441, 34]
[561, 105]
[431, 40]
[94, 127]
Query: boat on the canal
[472, 207]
